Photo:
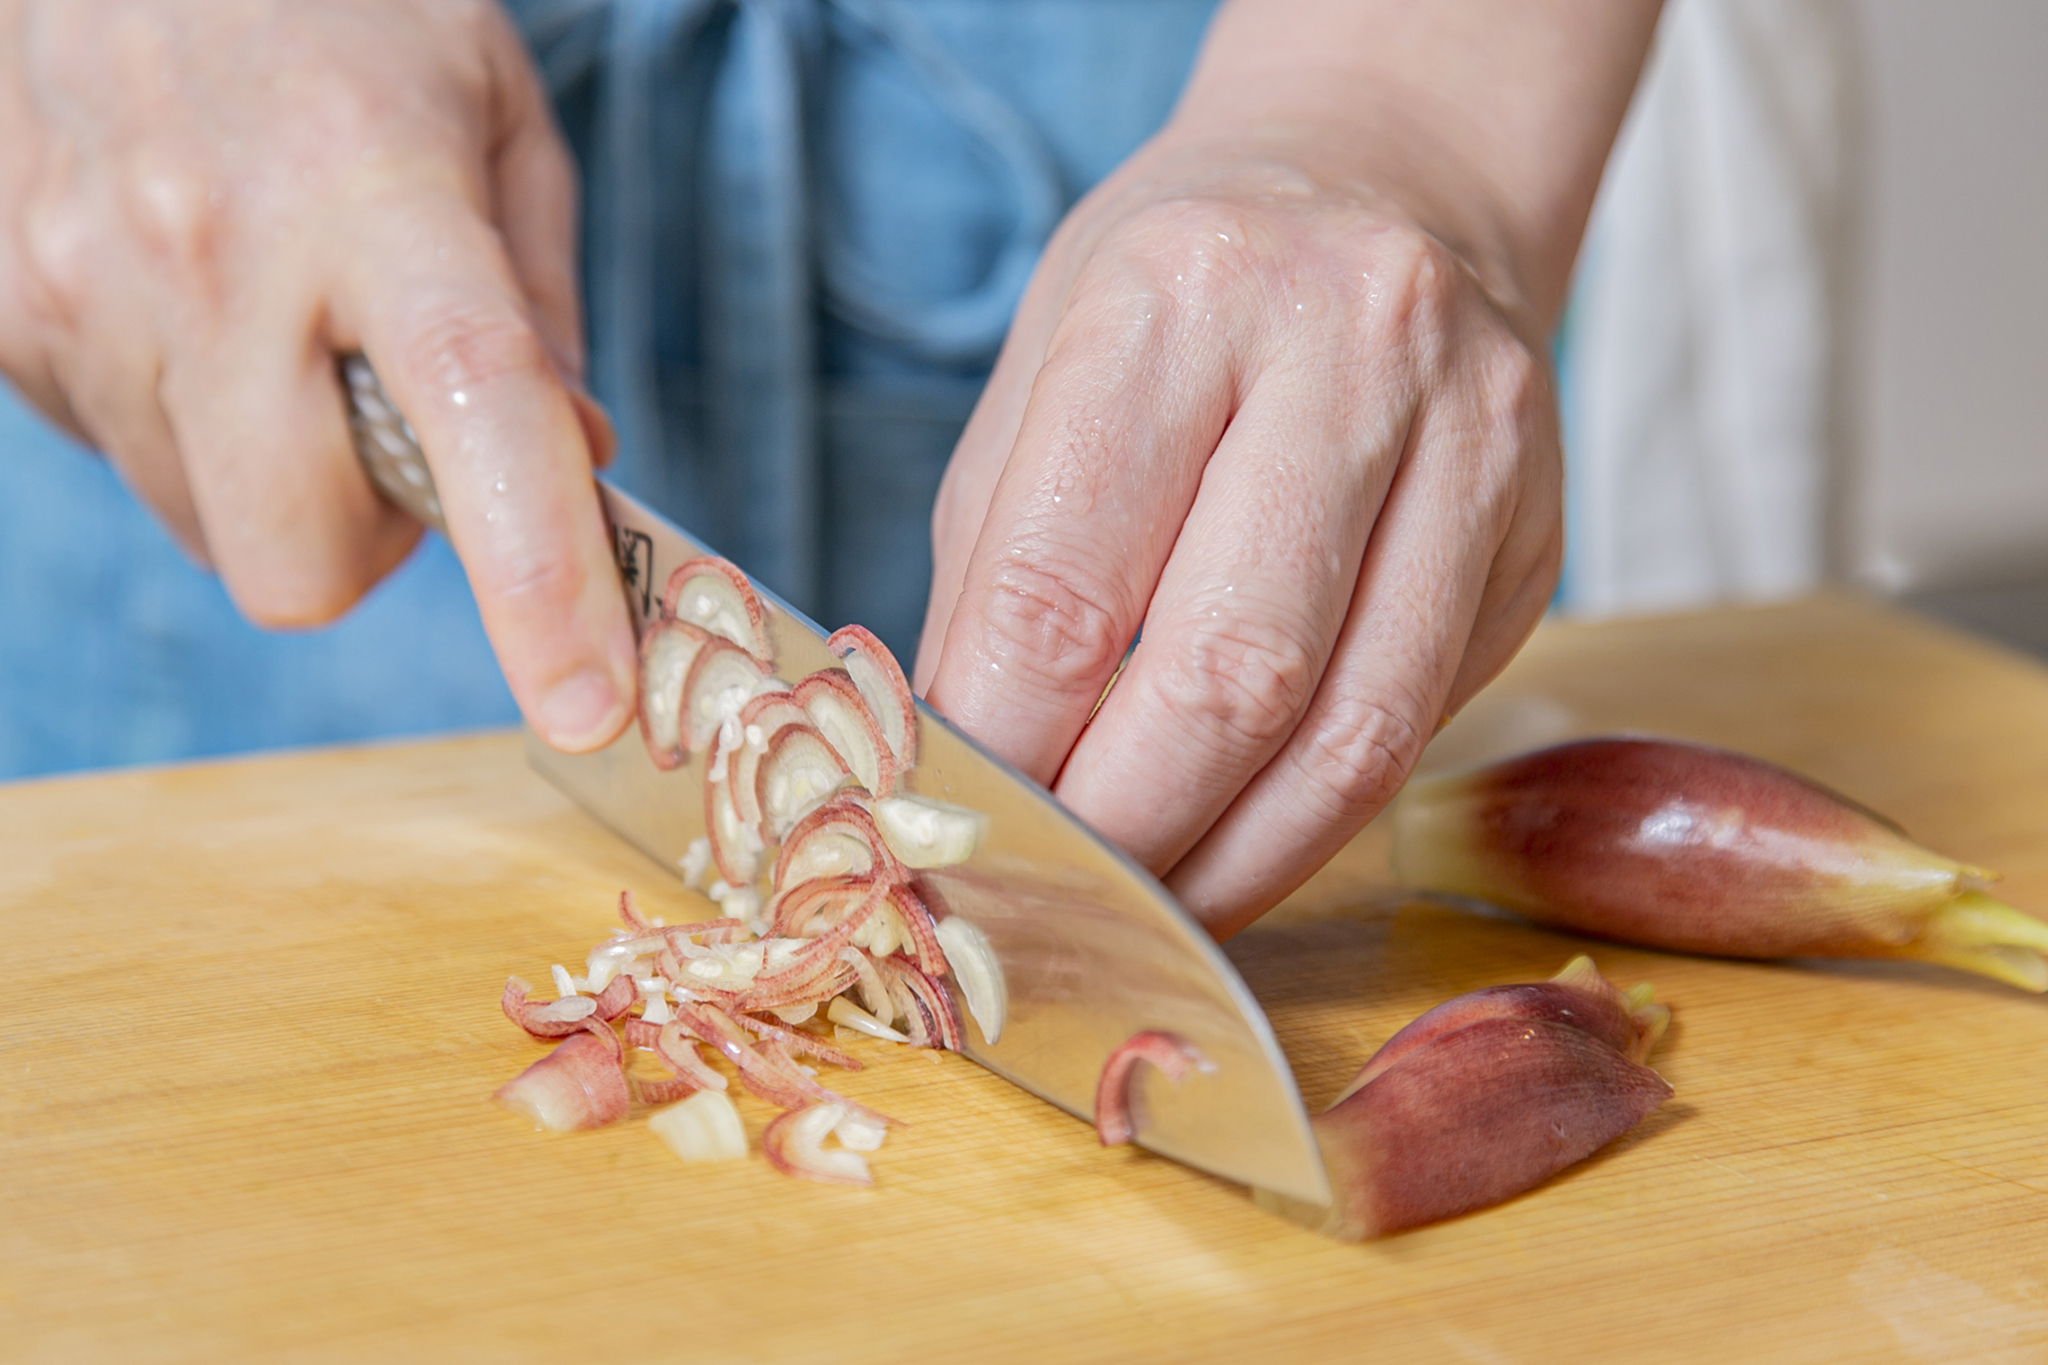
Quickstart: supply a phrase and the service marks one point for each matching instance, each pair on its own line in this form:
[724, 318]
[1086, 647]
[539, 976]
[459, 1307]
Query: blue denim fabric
[806, 223]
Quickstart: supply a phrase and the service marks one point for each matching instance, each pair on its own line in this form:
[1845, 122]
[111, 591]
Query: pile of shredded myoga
[812, 848]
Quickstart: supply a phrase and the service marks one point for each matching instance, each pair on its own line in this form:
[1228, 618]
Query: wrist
[1488, 124]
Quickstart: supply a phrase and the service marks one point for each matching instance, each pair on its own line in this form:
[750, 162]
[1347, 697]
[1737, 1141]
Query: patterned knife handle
[386, 445]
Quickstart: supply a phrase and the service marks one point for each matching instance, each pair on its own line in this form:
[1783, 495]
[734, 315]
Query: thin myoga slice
[836, 708]
[668, 651]
[558, 1018]
[761, 720]
[978, 973]
[625, 955]
[923, 833]
[874, 993]
[837, 839]
[679, 1050]
[799, 1080]
[814, 908]
[578, 1085]
[882, 685]
[736, 847]
[550, 1019]
[803, 1044]
[722, 680]
[916, 930]
[859, 1133]
[849, 1015]
[712, 593]
[1171, 1055]
[704, 1127]
[798, 773]
[807, 971]
[829, 980]
[724, 966]
[922, 1003]
[794, 1143]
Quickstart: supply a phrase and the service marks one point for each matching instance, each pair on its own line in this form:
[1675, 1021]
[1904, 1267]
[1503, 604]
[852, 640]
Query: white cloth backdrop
[1695, 358]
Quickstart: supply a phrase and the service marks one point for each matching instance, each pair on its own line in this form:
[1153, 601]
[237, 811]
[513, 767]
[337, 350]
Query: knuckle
[1246, 682]
[59, 247]
[177, 212]
[1361, 753]
[337, 109]
[1519, 383]
[301, 597]
[472, 17]
[1053, 622]
[460, 345]
[1198, 252]
[544, 571]
[478, 21]
[1413, 279]
[481, 43]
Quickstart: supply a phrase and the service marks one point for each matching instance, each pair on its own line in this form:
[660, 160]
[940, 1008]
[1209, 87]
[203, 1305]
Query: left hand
[1254, 406]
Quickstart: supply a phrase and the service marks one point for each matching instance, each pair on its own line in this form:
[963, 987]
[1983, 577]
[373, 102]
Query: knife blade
[1091, 948]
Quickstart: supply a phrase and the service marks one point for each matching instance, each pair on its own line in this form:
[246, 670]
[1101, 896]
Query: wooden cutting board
[250, 1026]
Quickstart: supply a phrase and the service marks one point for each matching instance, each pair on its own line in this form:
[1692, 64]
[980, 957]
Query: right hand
[203, 202]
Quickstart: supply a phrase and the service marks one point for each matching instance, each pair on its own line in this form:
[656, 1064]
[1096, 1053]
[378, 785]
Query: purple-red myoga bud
[1482, 1098]
[1686, 847]
[1578, 996]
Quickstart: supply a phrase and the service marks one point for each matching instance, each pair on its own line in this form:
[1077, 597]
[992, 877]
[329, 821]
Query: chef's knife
[1092, 949]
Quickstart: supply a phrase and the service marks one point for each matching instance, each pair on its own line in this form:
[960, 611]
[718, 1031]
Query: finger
[297, 531]
[32, 375]
[991, 432]
[1517, 595]
[967, 489]
[112, 393]
[1425, 577]
[82, 285]
[534, 187]
[438, 309]
[1248, 611]
[537, 196]
[535, 190]
[1135, 392]
[969, 485]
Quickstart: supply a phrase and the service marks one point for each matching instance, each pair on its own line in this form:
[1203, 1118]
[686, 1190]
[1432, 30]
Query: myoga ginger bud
[1480, 1099]
[1696, 849]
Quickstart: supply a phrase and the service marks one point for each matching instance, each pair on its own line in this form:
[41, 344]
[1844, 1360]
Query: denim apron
[806, 224]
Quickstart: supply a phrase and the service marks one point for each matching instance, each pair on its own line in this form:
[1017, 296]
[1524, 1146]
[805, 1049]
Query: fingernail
[583, 712]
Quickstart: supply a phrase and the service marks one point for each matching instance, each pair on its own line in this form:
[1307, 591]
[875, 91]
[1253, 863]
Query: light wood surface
[250, 1024]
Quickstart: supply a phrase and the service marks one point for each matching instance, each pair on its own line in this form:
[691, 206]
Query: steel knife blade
[1092, 949]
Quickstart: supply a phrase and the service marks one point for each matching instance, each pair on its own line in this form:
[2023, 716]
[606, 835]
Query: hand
[1257, 404]
[207, 200]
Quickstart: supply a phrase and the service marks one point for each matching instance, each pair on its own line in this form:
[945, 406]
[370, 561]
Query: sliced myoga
[822, 925]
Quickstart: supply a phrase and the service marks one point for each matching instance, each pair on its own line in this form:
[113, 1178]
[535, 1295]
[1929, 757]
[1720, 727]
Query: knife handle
[386, 445]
